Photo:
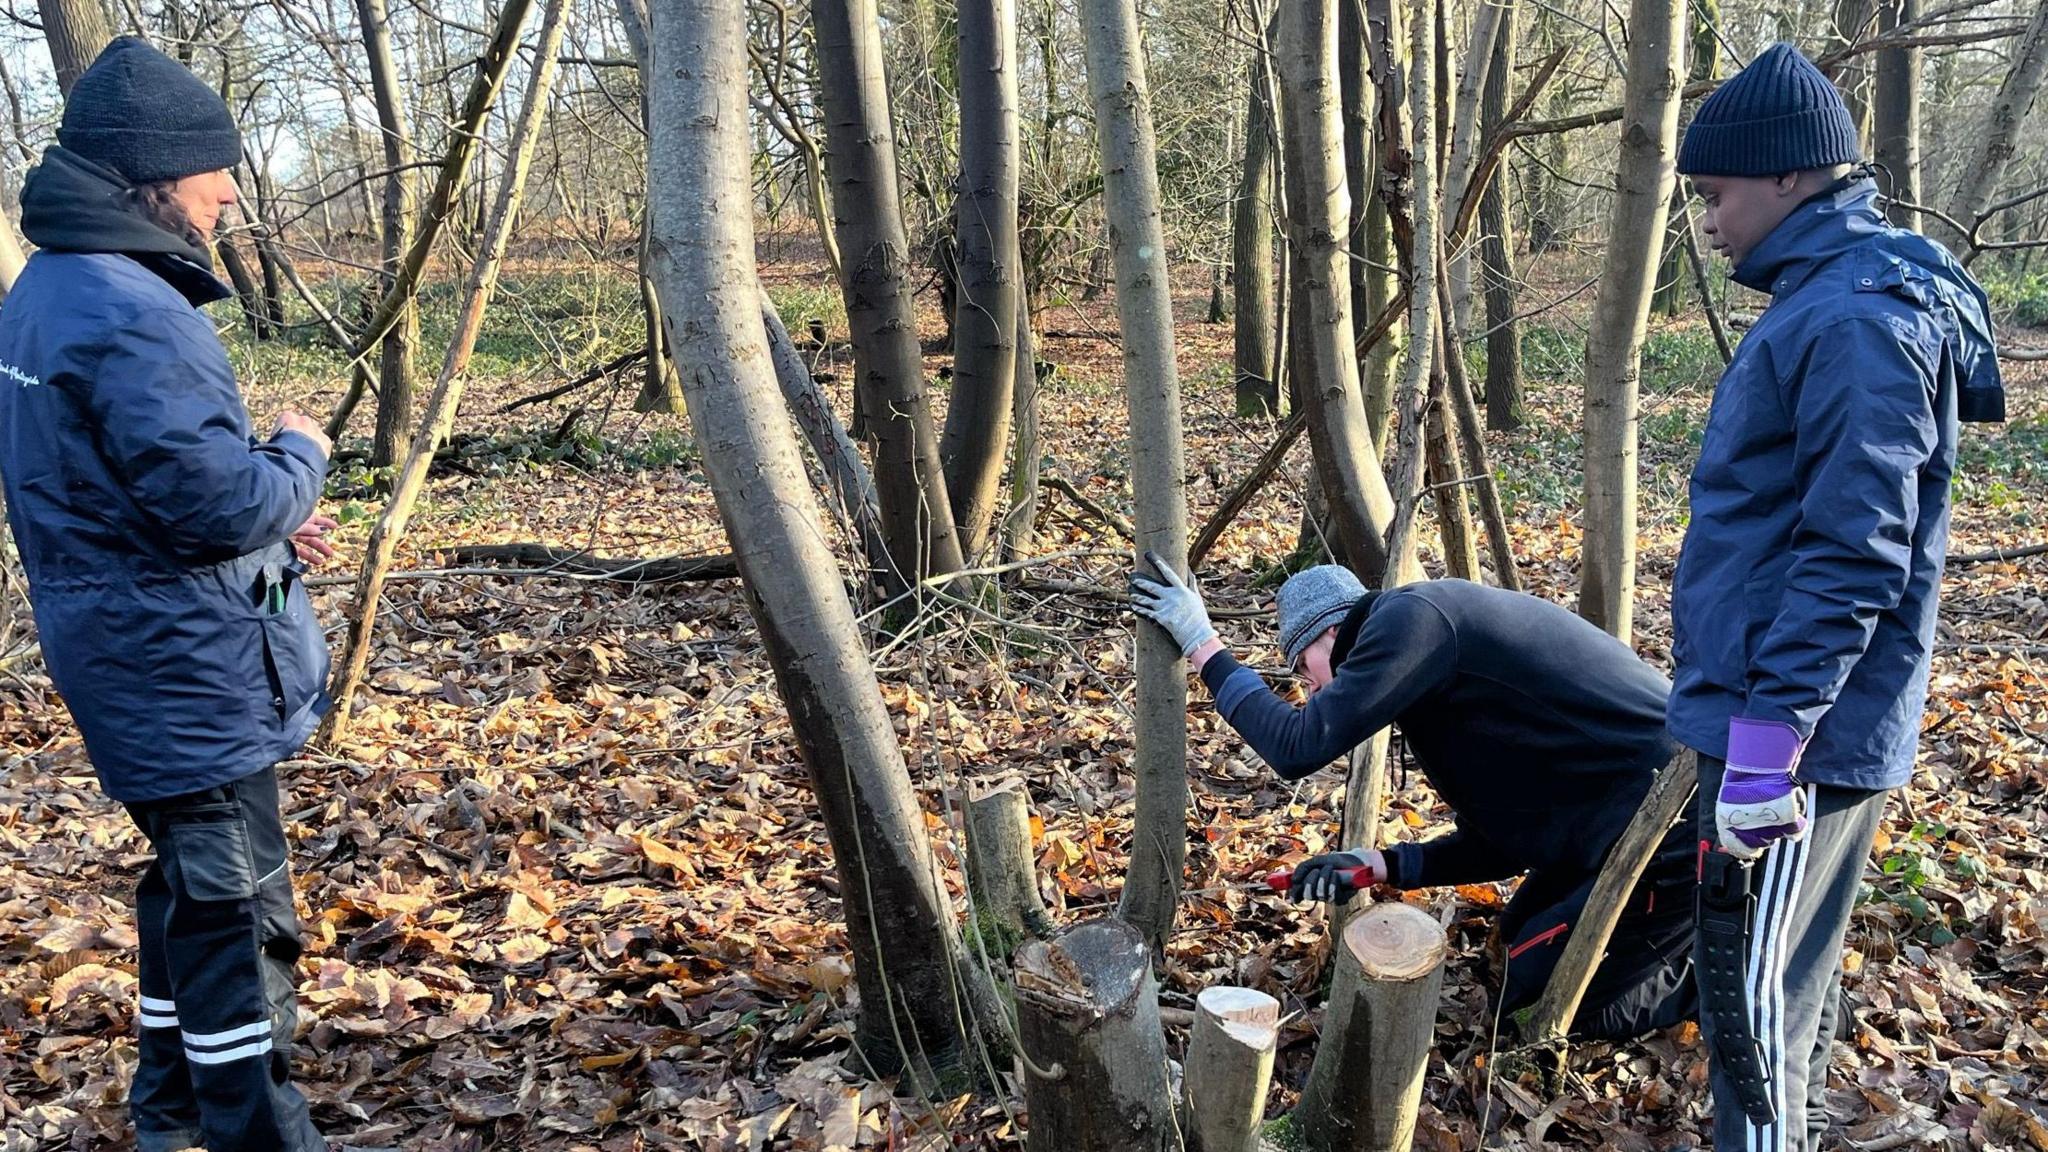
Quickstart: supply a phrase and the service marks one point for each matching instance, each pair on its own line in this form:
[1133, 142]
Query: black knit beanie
[1776, 116]
[147, 117]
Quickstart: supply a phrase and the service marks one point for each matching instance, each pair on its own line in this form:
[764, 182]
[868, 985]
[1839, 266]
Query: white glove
[1173, 604]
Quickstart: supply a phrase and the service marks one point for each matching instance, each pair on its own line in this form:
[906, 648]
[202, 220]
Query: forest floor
[563, 887]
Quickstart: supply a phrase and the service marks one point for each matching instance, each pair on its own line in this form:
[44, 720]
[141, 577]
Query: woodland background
[564, 873]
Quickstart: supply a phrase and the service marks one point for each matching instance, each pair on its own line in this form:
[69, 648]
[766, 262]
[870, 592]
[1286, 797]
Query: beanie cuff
[1293, 645]
[150, 156]
[1770, 146]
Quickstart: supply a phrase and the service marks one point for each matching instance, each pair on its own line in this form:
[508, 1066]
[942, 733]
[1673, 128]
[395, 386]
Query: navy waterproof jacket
[152, 526]
[1811, 571]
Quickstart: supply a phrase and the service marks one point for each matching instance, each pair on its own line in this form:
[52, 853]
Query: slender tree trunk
[1997, 140]
[1426, 247]
[1852, 22]
[1643, 178]
[1386, 28]
[1504, 411]
[395, 358]
[1144, 306]
[247, 294]
[1319, 219]
[1359, 105]
[446, 398]
[985, 326]
[917, 512]
[1895, 118]
[660, 389]
[1020, 522]
[1488, 20]
[923, 1005]
[76, 32]
[1706, 54]
[1257, 386]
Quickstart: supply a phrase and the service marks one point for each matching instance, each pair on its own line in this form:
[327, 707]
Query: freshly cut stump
[1000, 871]
[1093, 1053]
[1366, 1082]
[1230, 1066]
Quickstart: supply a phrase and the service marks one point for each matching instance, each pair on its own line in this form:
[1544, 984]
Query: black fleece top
[1539, 730]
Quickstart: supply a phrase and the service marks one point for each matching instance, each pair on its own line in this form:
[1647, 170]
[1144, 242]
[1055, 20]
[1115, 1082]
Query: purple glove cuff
[1765, 745]
[1744, 786]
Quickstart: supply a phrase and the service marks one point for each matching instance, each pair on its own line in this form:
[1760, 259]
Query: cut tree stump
[1001, 874]
[1366, 1082]
[1093, 1052]
[1229, 1068]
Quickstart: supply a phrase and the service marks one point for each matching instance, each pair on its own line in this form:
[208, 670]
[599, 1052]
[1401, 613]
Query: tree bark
[1895, 115]
[1319, 220]
[1998, 138]
[76, 32]
[1706, 53]
[1144, 306]
[1448, 481]
[1026, 455]
[1001, 872]
[985, 325]
[395, 357]
[1366, 1083]
[846, 475]
[1388, 45]
[1643, 178]
[1852, 23]
[923, 1006]
[1229, 1068]
[917, 511]
[1504, 410]
[1472, 447]
[1488, 20]
[1257, 387]
[1088, 1029]
[446, 399]
[1426, 251]
[660, 389]
[1358, 104]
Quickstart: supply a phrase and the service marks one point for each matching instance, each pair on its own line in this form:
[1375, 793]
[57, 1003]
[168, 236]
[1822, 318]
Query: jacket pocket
[294, 651]
[209, 860]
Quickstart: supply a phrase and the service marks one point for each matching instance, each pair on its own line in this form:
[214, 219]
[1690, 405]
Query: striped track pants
[1805, 890]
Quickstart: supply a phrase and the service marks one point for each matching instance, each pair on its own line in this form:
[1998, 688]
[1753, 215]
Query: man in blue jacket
[163, 546]
[1540, 732]
[1804, 603]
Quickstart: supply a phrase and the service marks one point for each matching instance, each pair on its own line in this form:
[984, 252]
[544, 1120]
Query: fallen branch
[1066, 488]
[614, 365]
[1268, 463]
[2023, 354]
[535, 559]
[1998, 554]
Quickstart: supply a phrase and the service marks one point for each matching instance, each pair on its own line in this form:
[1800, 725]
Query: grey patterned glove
[1173, 604]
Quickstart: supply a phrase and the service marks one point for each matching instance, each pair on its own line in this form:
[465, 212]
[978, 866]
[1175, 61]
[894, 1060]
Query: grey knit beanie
[1313, 601]
[146, 116]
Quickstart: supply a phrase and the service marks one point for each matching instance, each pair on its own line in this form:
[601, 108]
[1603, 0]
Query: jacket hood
[70, 204]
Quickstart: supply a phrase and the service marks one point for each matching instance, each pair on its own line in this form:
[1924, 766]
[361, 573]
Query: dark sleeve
[1864, 426]
[1405, 651]
[1456, 857]
[171, 424]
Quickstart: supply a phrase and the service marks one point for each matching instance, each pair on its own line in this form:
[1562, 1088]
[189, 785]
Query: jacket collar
[1825, 225]
[70, 204]
[1347, 632]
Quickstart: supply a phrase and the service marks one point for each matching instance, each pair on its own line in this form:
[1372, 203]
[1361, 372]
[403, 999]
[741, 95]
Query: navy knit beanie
[1776, 116]
[147, 117]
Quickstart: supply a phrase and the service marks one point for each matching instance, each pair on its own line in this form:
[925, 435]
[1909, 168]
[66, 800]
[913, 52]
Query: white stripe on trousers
[1784, 871]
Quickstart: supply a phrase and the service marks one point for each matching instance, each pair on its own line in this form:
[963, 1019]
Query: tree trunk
[1504, 411]
[1358, 104]
[1144, 307]
[660, 389]
[77, 32]
[985, 327]
[1852, 22]
[1366, 1083]
[446, 398]
[1386, 31]
[917, 513]
[1466, 135]
[1706, 53]
[1448, 481]
[1002, 874]
[395, 358]
[923, 1006]
[1229, 1068]
[247, 294]
[1643, 177]
[1088, 1029]
[1319, 219]
[846, 475]
[1998, 138]
[1257, 387]
[1426, 252]
[1026, 454]
[1472, 447]
[1895, 118]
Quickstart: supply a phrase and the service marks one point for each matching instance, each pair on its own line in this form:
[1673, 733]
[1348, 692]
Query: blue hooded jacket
[1810, 576]
[152, 526]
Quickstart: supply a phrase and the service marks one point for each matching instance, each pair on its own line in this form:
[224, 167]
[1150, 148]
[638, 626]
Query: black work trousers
[219, 942]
